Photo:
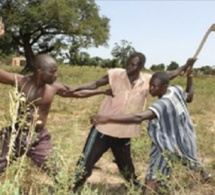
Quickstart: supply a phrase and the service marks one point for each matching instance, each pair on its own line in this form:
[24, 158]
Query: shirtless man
[39, 90]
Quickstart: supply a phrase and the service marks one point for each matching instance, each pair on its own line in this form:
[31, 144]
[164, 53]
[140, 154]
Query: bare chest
[38, 96]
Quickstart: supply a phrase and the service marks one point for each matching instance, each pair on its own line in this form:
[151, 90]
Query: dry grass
[69, 123]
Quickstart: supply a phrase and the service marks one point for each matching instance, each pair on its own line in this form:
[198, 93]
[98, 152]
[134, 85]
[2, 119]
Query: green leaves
[35, 26]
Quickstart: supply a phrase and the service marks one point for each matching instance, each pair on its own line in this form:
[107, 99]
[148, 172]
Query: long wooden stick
[212, 28]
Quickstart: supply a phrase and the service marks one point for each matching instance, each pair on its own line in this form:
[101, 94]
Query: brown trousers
[38, 151]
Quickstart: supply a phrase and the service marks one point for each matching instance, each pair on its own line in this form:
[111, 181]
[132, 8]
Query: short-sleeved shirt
[126, 100]
[173, 129]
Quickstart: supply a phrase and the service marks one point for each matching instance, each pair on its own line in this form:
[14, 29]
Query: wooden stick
[212, 28]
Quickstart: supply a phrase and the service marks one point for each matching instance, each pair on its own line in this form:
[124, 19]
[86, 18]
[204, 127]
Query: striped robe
[171, 132]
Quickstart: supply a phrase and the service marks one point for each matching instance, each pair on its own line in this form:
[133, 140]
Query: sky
[164, 31]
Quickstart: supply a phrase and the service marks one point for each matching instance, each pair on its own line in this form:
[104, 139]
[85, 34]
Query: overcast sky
[164, 31]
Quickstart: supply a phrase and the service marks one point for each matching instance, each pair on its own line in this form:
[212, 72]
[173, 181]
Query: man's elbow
[189, 99]
[171, 75]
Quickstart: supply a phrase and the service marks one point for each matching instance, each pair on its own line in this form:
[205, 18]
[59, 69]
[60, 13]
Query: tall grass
[69, 124]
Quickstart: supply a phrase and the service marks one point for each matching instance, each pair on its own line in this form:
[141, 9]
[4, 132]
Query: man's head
[135, 63]
[158, 84]
[45, 67]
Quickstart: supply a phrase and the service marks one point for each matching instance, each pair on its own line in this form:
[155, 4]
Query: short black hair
[141, 56]
[162, 76]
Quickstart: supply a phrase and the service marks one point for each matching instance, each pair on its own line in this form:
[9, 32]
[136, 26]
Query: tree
[172, 66]
[159, 67]
[121, 52]
[109, 63]
[74, 50]
[95, 61]
[41, 26]
[206, 70]
[83, 58]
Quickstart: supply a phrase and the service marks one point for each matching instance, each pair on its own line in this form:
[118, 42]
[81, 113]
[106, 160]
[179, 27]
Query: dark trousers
[96, 145]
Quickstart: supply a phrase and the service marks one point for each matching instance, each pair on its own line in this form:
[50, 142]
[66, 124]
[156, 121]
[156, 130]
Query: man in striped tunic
[170, 128]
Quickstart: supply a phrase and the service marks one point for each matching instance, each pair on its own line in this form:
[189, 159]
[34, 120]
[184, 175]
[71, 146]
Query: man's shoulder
[55, 88]
[145, 76]
[56, 85]
[23, 79]
[176, 87]
[116, 71]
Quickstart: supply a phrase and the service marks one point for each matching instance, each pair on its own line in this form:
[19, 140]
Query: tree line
[204, 70]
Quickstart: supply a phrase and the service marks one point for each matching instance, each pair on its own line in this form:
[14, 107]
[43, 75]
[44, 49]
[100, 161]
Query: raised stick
[212, 28]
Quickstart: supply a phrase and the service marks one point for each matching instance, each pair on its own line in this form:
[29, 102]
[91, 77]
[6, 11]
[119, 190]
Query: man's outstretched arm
[86, 93]
[174, 73]
[66, 91]
[189, 87]
[92, 85]
[9, 78]
[126, 119]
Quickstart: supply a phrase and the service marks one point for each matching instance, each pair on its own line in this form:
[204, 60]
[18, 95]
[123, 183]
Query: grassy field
[69, 124]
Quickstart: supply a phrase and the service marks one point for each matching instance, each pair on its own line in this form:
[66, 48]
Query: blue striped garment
[172, 131]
